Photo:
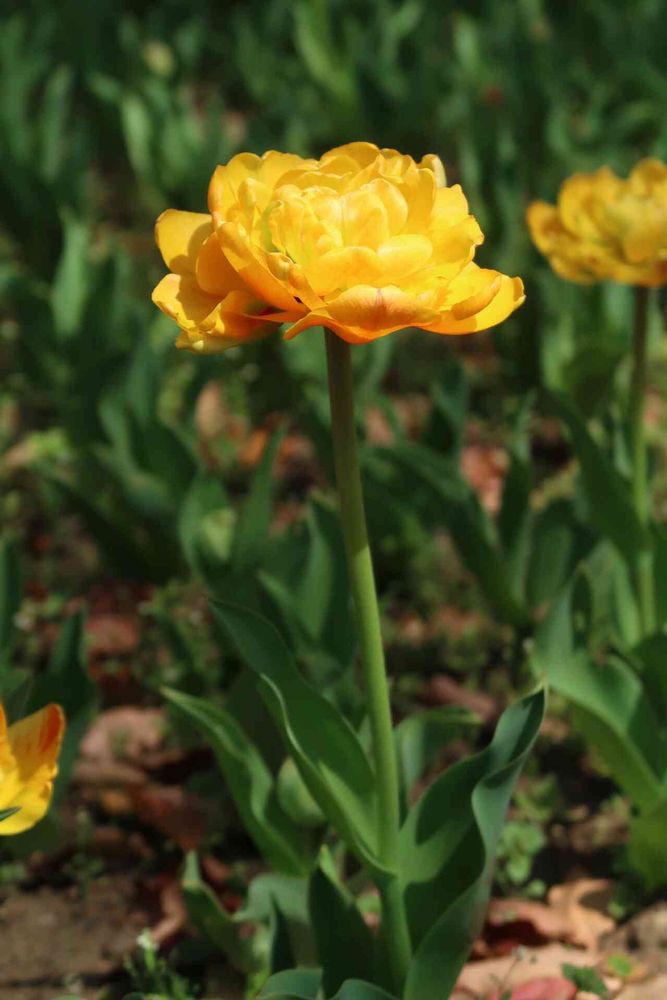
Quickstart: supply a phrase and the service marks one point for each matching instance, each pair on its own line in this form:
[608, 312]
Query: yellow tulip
[605, 227]
[28, 765]
[363, 241]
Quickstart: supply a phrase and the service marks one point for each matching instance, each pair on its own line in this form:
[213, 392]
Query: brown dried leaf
[525, 965]
[583, 905]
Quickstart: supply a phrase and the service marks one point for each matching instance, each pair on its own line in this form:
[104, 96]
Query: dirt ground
[51, 940]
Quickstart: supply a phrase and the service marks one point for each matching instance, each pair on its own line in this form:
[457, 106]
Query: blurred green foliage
[112, 111]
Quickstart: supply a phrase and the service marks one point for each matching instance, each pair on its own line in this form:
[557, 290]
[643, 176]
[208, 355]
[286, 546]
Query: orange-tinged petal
[364, 313]
[34, 744]
[179, 236]
[507, 295]
[253, 271]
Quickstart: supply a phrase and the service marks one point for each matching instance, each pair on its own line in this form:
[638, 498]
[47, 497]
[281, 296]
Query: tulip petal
[252, 271]
[364, 313]
[487, 307]
[34, 743]
[179, 236]
[181, 298]
[215, 275]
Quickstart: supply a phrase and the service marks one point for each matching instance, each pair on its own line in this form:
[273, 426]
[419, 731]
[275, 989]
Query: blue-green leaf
[448, 844]
[610, 703]
[610, 504]
[422, 736]
[293, 984]
[11, 592]
[250, 782]
[344, 942]
[252, 527]
[325, 748]
[220, 928]
[646, 847]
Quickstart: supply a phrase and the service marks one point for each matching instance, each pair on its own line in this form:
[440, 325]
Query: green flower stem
[362, 582]
[640, 490]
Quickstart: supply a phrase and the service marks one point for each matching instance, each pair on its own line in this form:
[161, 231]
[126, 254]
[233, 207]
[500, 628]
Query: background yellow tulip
[605, 227]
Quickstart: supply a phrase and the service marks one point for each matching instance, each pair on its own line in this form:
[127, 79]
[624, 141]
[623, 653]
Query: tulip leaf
[71, 280]
[646, 846]
[205, 524]
[344, 941]
[252, 527]
[422, 736]
[325, 748]
[356, 989]
[250, 782]
[610, 505]
[558, 541]
[293, 984]
[304, 984]
[11, 593]
[449, 498]
[610, 702]
[217, 926]
[448, 844]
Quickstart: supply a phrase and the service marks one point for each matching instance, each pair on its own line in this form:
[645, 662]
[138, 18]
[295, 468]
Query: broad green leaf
[453, 502]
[311, 595]
[295, 798]
[293, 984]
[447, 847]
[558, 541]
[138, 129]
[647, 852]
[514, 513]
[325, 748]
[250, 782]
[11, 593]
[221, 929]
[445, 428]
[356, 989]
[252, 527]
[71, 280]
[322, 593]
[611, 706]
[609, 501]
[304, 984]
[345, 944]
[422, 736]
[206, 523]
[652, 657]
[282, 900]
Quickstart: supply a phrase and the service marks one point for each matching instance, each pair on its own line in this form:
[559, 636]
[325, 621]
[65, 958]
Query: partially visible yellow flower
[364, 241]
[28, 765]
[604, 227]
